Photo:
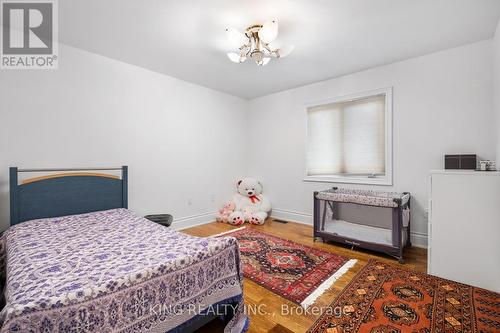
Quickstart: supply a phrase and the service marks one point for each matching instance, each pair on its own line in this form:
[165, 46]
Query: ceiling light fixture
[254, 44]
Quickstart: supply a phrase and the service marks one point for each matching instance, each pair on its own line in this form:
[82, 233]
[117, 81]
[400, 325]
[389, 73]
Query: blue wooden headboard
[73, 191]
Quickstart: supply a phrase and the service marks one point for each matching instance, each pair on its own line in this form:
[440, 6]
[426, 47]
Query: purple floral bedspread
[114, 271]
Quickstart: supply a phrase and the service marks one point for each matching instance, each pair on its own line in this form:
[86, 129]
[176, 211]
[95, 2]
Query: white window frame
[376, 180]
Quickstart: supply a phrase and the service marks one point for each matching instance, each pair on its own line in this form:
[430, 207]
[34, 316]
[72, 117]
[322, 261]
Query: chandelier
[255, 44]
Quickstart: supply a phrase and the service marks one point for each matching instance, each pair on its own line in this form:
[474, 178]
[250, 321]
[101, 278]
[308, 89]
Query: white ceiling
[185, 38]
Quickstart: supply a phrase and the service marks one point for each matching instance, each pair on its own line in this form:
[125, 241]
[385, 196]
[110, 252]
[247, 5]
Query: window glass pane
[347, 138]
[325, 135]
[364, 136]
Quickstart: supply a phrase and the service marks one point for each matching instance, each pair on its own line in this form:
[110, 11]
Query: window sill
[385, 181]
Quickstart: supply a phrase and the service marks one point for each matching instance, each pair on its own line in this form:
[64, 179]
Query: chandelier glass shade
[255, 44]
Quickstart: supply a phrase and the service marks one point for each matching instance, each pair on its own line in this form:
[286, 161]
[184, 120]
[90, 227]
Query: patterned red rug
[294, 271]
[382, 298]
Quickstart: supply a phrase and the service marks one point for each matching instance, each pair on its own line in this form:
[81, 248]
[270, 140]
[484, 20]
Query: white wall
[183, 142]
[442, 104]
[496, 46]
[176, 137]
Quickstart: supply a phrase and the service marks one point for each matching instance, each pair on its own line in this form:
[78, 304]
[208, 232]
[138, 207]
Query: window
[349, 139]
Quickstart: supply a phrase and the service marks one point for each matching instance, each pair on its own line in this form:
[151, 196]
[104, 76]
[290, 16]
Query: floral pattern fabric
[365, 197]
[113, 271]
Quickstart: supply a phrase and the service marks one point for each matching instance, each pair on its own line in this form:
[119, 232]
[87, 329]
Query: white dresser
[464, 227]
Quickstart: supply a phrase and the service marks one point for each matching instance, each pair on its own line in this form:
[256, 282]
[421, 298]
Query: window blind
[347, 138]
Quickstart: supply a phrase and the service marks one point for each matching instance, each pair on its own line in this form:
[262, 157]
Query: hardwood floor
[273, 320]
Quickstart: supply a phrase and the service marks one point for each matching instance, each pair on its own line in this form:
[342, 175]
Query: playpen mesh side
[367, 223]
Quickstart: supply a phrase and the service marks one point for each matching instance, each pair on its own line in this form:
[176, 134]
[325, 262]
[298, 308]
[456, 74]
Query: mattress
[362, 232]
[114, 271]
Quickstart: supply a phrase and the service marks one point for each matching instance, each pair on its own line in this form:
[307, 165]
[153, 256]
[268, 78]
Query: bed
[108, 269]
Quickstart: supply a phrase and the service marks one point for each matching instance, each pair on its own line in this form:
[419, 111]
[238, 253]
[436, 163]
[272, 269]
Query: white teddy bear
[250, 204]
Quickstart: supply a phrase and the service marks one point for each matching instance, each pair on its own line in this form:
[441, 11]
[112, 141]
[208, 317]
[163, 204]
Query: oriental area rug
[294, 271]
[382, 298]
